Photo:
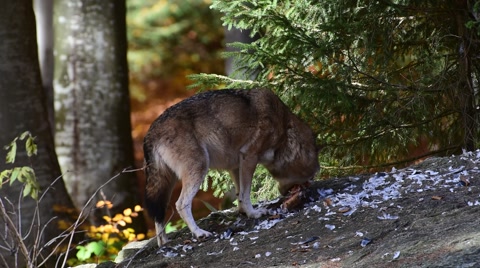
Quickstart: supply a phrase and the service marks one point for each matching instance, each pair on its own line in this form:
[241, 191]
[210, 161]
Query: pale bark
[22, 107]
[44, 18]
[93, 133]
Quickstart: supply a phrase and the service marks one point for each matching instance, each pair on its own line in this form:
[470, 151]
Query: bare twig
[36, 227]
[15, 234]
[3, 259]
[36, 223]
[50, 186]
[87, 204]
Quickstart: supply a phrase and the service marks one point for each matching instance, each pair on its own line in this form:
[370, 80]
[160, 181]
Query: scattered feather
[365, 242]
[215, 253]
[186, 248]
[330, 227]
[396, 254]
[227, 234]
[387, 216]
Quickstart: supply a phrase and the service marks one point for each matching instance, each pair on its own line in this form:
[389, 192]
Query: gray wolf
[232, 130]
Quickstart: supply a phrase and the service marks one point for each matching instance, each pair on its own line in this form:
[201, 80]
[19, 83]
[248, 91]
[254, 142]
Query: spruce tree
[374, 79]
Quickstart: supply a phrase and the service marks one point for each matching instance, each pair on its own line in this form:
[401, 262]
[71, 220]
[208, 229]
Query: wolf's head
[297, 161]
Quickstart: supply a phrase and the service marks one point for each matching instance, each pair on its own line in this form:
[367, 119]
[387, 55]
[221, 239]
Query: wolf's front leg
[247, 168]
[250, 211]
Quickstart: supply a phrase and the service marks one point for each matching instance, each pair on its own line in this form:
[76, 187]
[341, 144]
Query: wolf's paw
[200, 233]
[161, 240]
[256, 213]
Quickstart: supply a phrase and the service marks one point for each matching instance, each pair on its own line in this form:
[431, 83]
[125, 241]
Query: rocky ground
[426, 215]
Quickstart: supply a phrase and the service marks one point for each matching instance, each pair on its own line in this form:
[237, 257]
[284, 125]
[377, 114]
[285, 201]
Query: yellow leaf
[138, 208]
[122, 223]
[127, 212]
[100, 204]
[103, 203]
[107, 219]
[127, 219]
[140, 236]
[105, 237]
[63, 225]
[117, 217]
[111, 229]
[94, 229]
[131, 237]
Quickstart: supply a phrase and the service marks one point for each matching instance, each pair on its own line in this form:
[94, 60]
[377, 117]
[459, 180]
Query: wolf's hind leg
[160, 181]
[160, 233]
[190, 185]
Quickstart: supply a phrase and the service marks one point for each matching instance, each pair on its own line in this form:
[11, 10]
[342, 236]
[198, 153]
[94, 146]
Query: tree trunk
[466, 92]
[231, 36]
[44, 18]
[22, 107]
[93, 132]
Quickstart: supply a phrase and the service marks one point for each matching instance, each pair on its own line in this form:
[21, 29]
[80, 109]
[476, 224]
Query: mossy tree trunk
[93, 131]
[22, 108]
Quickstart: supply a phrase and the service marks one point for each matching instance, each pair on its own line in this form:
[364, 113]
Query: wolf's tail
[160, 180]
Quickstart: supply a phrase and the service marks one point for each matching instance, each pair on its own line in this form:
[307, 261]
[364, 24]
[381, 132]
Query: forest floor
[421, 216]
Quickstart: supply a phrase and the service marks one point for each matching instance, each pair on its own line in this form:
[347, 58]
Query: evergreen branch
[375, 75]
[216, 80]
[426, 121]
[377, 134]
[401, 162]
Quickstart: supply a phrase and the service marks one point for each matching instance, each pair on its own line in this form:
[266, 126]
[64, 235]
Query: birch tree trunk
[44, 18]
[22, 107]
[93, 132]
